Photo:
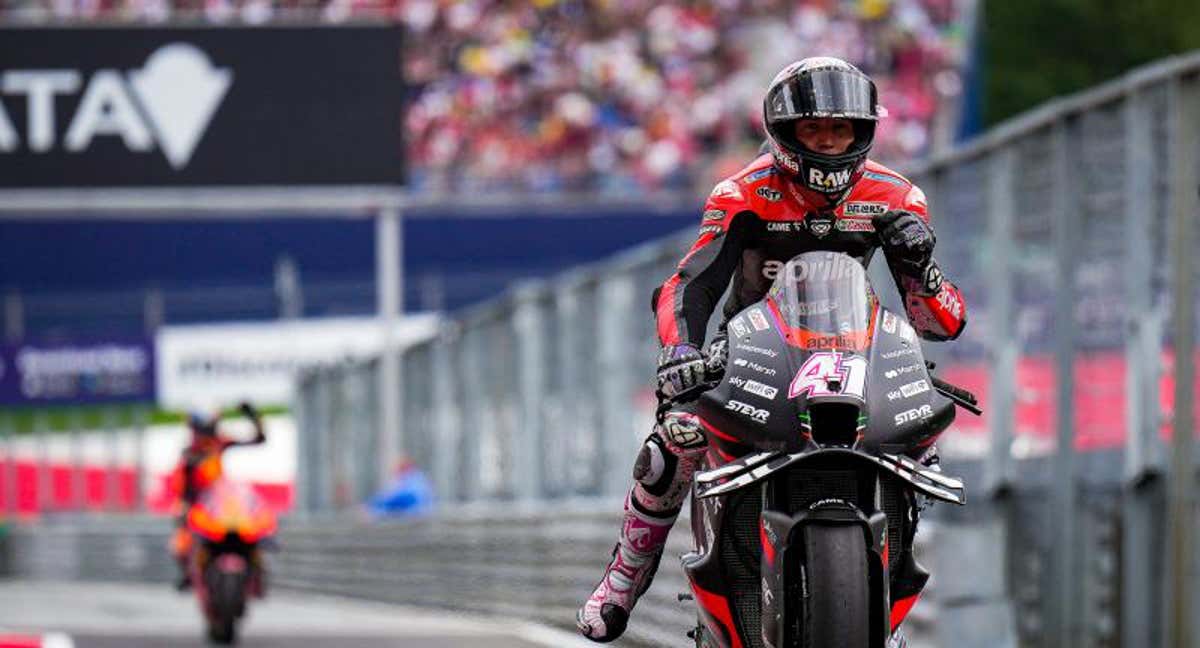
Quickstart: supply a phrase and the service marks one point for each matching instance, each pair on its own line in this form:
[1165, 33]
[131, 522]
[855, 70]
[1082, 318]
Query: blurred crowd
[611, 96]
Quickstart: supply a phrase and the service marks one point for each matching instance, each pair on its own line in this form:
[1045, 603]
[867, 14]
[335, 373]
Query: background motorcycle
[231, 523]
[804, 522]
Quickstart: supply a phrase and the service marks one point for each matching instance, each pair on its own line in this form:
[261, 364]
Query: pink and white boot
[628, 575]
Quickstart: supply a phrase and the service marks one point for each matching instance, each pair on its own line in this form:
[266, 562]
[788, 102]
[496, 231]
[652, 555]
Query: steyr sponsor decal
[758, 320]
[714, 215]
[867, 209]
[756, 414]
[913, 388]
[898, 353]
[896, 373]
[889, 322]
[727, 189]
[759, 389]
[759, 350]
[769, 193]
[920, 413]
[832, 180]
[830, 373]
[739, 328]
[169, 102]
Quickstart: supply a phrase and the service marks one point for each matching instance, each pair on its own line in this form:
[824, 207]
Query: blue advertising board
[77, 373]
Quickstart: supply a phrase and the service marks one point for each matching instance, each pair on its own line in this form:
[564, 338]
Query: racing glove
[908, 242]
[680, 367]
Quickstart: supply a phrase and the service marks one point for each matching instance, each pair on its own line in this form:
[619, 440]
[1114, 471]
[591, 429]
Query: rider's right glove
[680, 368]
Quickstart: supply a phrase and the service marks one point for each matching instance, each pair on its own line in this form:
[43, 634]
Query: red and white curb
[48, 640]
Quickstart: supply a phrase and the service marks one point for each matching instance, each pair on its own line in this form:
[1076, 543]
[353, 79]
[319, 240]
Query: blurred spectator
[614, 96]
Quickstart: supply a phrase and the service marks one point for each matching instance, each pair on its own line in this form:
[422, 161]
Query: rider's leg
[662, 478]
[181, 549]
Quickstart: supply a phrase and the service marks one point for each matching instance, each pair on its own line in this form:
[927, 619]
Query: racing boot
[663, 477]
[628, 575]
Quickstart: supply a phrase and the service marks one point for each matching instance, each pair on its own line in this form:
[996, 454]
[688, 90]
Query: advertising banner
[210, 106]
[75, 373]
[221, 364]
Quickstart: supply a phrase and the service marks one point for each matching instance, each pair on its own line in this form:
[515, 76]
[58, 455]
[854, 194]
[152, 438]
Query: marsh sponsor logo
[756, 414]
[758, 320]
[169, 102]
[759, 389]
[867, 209]
[759, 350]
[766, 371]
[913, 388]
[896, 373]
[921, 413]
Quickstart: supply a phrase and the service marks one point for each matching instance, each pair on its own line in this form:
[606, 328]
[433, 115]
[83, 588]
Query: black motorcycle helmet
[820, 87]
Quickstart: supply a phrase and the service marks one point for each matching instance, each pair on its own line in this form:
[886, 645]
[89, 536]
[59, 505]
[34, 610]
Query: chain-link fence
[1058, 228]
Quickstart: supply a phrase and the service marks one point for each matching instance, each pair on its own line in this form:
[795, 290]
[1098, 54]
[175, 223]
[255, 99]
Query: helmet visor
[822, 93]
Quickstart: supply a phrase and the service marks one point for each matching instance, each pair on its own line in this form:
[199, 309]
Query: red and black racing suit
[755, 221]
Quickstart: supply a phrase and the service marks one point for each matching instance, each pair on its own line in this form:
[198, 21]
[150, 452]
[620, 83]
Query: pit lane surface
[102, 615]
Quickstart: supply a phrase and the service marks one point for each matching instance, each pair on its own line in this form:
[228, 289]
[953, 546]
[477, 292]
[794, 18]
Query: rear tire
[837, 610]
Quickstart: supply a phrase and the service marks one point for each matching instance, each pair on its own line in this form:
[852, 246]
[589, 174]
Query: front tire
[837, 610]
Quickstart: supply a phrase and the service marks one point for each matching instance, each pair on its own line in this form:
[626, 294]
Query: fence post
[529, 326]
[998, 253]
[1184, 112]
[1062, 609]
[615, 346]
[1140, 519]
[389, 260]
[447, 420]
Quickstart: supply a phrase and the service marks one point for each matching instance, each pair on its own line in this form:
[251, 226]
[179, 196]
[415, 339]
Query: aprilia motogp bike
[229, 523]
[804, 514]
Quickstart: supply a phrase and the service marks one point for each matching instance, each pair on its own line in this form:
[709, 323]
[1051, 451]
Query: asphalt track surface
[104, 615]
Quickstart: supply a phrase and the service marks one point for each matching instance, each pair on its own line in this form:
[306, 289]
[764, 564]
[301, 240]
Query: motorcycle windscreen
[824, 301]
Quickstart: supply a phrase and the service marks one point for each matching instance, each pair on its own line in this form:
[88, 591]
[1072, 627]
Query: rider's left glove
[681, 367]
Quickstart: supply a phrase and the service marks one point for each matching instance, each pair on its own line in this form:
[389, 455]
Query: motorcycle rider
[814, 189]
[199, 466]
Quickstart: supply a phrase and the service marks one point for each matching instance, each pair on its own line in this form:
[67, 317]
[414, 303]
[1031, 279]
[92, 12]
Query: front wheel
[837, 609]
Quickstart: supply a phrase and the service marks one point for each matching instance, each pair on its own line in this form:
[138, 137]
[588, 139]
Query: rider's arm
[684, 303]
[260, 434]
[934, 304]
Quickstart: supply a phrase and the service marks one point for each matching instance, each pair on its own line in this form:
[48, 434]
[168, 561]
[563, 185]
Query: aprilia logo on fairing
[835, 267]
[831, 180]
[756, 414]
[170, 101]
[766, 371]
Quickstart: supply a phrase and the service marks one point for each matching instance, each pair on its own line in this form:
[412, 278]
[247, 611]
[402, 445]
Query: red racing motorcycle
[804, 515]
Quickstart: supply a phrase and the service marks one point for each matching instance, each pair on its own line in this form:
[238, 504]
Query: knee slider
[655, 467]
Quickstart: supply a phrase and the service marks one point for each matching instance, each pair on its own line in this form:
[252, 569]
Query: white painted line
[57, 640]
[550, 637]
